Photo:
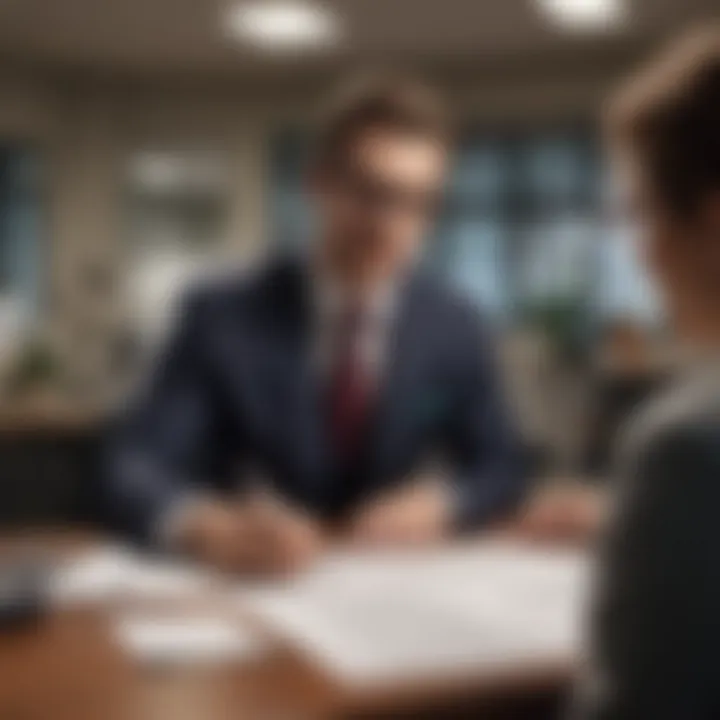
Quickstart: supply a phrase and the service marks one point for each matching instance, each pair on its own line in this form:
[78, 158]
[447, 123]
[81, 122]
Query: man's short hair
[381, 102]
[668, 117]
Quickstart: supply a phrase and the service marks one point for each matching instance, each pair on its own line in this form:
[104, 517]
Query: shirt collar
[329, 300]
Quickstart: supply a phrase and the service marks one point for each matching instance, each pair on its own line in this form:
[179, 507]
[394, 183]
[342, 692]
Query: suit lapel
[404, 365]
[303, 417]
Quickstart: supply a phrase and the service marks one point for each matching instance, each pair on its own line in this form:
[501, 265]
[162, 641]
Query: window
[176, 218]
[20, 245]
[471, 243]
[290, 220]
[521, 219]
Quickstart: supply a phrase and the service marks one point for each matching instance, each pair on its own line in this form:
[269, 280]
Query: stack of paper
[367, 617]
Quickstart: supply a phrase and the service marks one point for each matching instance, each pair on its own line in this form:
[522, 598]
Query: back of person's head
[667, 116]
[664, 127]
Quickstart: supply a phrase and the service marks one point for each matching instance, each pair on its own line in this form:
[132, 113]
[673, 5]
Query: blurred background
[146, 142]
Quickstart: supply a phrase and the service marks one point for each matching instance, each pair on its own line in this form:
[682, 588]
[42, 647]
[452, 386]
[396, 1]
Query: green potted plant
[562, 319]
[36, 376]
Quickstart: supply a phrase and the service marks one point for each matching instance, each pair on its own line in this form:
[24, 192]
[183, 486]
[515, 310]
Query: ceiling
[186, 35]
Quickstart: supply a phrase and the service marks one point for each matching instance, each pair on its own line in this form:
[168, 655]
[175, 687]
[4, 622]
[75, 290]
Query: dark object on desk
[24, 591]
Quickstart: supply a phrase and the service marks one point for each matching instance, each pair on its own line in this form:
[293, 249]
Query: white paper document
[114, 573]
[173, 641]
[386, 616]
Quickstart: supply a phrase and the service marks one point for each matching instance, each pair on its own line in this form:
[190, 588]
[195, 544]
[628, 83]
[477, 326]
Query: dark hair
[668, 116]
[380, 102]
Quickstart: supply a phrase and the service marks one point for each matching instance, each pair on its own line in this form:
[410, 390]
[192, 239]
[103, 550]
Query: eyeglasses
[378, 195]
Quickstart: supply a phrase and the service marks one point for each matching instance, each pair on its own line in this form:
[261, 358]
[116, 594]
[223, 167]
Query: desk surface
[68, 668]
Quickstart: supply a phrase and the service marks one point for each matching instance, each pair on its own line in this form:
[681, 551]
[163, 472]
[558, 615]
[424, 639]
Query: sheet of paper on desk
[367, 618]
[185, 640]
[115, 572]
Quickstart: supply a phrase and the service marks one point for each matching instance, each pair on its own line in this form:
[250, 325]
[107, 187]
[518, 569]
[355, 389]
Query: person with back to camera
[655, 632]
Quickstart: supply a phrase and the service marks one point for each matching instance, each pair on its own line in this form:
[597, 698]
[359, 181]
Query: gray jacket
[654, 648]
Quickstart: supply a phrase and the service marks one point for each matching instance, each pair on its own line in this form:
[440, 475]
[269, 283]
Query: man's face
[377, 205]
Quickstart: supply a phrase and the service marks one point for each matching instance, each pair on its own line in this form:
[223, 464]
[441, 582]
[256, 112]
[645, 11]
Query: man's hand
[284, 540]
[413, 515]
[571, 514]
[209, 531]
[259, 537]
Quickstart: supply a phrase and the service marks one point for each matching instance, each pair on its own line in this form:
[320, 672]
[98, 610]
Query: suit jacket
[656, 627]
[235, 391]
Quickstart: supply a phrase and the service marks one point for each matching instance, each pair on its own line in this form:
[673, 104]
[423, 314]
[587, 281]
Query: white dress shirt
[378, 312]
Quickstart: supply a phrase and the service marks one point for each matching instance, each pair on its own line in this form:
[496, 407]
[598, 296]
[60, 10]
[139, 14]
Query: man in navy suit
[316, 392]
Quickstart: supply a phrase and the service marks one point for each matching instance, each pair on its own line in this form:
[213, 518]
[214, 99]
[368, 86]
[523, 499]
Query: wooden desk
[68, 668]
